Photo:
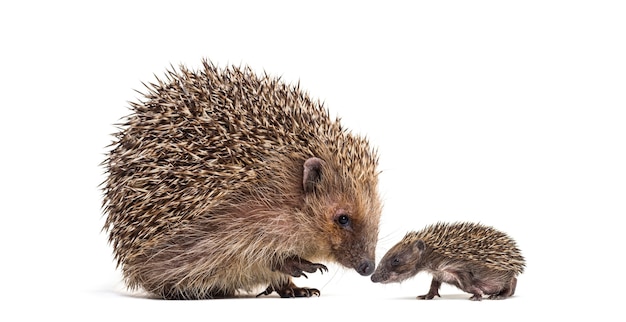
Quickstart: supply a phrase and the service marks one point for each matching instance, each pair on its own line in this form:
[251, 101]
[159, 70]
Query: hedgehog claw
[296, 267]
[428, 296]
[269, 290]
[476, 297]
[432, 292]
[290, 290]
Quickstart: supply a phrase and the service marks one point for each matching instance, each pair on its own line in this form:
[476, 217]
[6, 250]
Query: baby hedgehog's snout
[377, 278]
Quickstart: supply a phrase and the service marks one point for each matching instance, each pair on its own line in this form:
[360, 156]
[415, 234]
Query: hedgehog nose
[376, 278]
[366, 268]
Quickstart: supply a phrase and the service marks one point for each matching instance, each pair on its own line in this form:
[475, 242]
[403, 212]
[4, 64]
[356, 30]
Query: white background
[508, 114]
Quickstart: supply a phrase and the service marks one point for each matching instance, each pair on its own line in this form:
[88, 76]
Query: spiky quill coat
[205, 194]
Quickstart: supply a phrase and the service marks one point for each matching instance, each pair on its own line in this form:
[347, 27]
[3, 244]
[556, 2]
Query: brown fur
[475, 258]
[222, 181]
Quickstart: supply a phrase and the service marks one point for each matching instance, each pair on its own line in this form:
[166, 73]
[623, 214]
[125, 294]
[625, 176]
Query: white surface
[512, 115]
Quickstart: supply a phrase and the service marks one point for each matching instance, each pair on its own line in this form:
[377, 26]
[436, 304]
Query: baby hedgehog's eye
[395, 262]
[343, 220]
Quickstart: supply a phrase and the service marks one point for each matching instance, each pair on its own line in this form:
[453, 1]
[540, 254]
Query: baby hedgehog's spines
[467, 241]
[205, 186]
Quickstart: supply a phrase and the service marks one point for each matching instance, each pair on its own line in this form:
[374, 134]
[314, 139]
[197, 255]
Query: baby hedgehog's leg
[507, 291]
[476, 291]
[434, 290]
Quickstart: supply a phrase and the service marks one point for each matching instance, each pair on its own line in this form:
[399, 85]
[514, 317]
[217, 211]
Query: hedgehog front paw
[291, 290]
[429, 296]
[296, 266]
[433, 291]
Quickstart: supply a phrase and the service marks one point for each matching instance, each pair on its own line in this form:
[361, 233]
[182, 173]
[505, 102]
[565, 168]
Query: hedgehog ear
[312, 173]
[420, 245]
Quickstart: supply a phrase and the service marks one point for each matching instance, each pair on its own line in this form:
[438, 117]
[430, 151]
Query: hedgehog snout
[366, 268]
[377, 278]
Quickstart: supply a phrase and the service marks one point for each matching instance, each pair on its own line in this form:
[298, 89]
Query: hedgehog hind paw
[290, 290]
[476, 297]
[505, 293]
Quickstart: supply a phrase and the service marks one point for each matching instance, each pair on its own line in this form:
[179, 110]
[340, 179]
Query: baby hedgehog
[222, 181]
[475, 258]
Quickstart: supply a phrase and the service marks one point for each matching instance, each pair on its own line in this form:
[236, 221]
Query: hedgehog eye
[395, 262]
[343, 220]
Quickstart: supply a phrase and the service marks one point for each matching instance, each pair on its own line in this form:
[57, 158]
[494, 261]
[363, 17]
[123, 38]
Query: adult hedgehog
[221, 181]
